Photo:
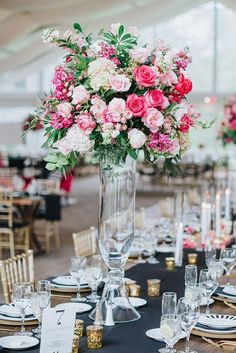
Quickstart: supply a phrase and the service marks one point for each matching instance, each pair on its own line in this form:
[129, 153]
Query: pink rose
[153, 119]
[136, 104]
[120, 83]
[136, 138]
[85, 122]
[80, 95]
[156, 98]
[64, 109]
[139, 54]
[184, 85]
[232, 124]
[145, 76]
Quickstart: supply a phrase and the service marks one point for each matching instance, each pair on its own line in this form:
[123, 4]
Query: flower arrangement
[227, 132]
[115, 97]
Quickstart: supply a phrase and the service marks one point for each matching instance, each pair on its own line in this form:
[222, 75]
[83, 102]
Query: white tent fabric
[22, 22]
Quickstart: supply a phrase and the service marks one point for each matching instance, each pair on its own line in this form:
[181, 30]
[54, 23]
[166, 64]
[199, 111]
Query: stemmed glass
[194, 293]
[170, 329]
[190, 275]
[228, 258]
[168, 306]
[93, 276]
[209, 285]
[210, 254]
[37, 312]
[21, 295]
[77, 270]
[216, 269]
[189, 313]
[150, 242]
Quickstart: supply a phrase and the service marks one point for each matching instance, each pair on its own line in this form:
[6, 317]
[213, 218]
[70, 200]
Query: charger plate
[69, 290]
[229, 336]
[222, 299]
[18, 323]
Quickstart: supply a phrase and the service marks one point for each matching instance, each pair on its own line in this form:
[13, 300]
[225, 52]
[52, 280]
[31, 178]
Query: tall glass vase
[116, 234]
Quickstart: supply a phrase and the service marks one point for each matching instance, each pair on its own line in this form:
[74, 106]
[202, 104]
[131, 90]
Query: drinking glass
[190, 275]
[228, 258]
[37, 312]
[168, 306]
[209, 285]
[194, 293]
[170, 329]
[189, 313]
[210, 254]
[77, 270]
[21, 295]
[216, 269]
[93, 276]
[150, 242]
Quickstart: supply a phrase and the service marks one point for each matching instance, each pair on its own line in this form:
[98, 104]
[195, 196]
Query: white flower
[133, 31]
[64, 109]
[136, 138]
[80, 95]
[50, 34]
[140, 54]
[180, 110]
[119, 83]
[99, 72]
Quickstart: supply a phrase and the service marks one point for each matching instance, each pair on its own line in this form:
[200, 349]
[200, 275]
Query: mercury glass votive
[192, 259]
[94, 336]
[134, 290]
[153, 287]
[75, 344]
[79, 327]
[170, 263]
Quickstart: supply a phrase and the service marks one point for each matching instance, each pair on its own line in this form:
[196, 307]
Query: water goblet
[93, 275]
[190, 275]
[168, 306]
[21, 295]
[209, 285]
[170, 329]
[210, 254]
[77, 270]
[216, 269]
[228, 258]
[37, 312]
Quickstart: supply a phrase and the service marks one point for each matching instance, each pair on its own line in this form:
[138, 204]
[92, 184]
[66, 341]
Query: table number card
[57, 330]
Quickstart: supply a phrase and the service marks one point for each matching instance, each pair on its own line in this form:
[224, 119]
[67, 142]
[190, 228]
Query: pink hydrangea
[58, 122]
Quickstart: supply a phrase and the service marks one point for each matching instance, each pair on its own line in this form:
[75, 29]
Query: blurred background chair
[85, 243]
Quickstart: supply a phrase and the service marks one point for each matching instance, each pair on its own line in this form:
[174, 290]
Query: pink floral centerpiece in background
[227, 131]
[115, 97]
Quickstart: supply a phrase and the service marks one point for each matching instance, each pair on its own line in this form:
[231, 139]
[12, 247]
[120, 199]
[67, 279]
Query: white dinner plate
[135, 302]
[78, 307]
[11, 318]
[165, 249]
[155, 333]
[18, 342]
[230, 290]
[204, 301]
[68, 281]
[216, 323]
[11, 311]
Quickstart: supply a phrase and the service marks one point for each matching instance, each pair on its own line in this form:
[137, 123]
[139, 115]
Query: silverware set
[221, 344]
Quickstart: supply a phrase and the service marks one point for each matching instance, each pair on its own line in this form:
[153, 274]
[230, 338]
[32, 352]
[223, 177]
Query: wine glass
[170, 329]
[93, 275]
[189, 313]
[209, 285]
[21, 295]
[210, 254]
[216, 269]
[228, 258]
[168, 306]
[190, 275]
[150, 242]
[77, 270]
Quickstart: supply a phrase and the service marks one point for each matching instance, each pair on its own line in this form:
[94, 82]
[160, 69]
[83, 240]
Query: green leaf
[78, 27]
[52, 158]
[125, 37]
[121, 30]
[51, 166]
[132, 153]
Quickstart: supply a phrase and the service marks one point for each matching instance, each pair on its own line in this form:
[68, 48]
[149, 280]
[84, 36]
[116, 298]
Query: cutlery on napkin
[227, 345]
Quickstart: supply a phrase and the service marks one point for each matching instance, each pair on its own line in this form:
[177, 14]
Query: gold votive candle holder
[127, 288]
[94, 336]
[192, 258]
[153, 287]
[134, 290]
[170, 263]
[79, 327]
[75, 344]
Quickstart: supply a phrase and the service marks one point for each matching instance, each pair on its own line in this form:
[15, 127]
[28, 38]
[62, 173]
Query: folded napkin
[9, 310]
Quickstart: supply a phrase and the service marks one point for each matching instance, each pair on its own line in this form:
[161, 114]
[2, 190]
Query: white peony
[136, 138]
[99, 72]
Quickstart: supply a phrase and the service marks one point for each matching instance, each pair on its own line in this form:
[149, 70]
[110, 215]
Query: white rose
[136, 138]
[64, 109]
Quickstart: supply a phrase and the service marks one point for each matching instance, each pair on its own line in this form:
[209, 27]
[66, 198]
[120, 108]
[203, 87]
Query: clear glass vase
[116, 234]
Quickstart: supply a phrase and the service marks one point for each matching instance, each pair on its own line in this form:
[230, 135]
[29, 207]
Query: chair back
[85, 243]
[48, 186]
[16, 269]
[6, 208]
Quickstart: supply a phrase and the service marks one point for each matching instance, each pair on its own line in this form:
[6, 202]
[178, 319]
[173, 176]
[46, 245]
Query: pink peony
[120, 83]
[64, 109]
[164, 144]
[145, 76]
[98, 108]
[80, 95]
[137, 105]
[156, 98]
[85, 122]
[59, 122]
[139, 54]
[153, 119]
[136, 138]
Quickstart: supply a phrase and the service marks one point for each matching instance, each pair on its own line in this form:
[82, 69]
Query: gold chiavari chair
[13, 235]
[16, 269]
[85, 243]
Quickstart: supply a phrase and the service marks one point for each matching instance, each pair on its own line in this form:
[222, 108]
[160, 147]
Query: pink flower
[59, 122]
[139, 54]
[136, 138]
[145, 76]
[156, 98]
[185, 123]
[63, 146]
[184, 85]
[98, 108]
[62, 80]
[232, 124]
[136, 104]
[133, 31]
[153, 119]
[120, 83]
[117, 106]
[164, 144]
[168, 78]
[85, 122]
[64, 109]
[80, 95]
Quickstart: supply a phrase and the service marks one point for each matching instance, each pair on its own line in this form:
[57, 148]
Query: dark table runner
[131, 337]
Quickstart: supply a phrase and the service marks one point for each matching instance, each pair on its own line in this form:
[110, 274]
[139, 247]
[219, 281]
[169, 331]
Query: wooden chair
[16, 269]
[85, 243]
[13, 235]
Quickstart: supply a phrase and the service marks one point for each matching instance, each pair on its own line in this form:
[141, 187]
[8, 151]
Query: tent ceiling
[22, 21]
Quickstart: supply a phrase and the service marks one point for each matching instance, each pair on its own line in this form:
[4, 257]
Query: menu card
[57, 330]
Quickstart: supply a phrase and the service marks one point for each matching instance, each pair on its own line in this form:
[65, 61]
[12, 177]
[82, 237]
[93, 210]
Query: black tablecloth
[131, 337]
